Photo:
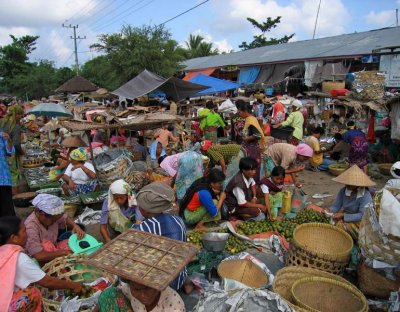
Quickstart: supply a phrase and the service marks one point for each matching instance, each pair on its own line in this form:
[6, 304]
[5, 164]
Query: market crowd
[220, 166]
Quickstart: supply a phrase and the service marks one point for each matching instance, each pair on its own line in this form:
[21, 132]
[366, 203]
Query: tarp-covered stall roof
[191, 74]
[215, 84]
[147, 82]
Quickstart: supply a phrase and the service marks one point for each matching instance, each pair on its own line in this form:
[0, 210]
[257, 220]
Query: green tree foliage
[197, 47]
[131, 51]
[261, 40]
[25, 79]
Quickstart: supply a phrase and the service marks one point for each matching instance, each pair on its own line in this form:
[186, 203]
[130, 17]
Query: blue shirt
[5, 175]
[350, 135]
[352, 206]
[168, 226]
[206, 199]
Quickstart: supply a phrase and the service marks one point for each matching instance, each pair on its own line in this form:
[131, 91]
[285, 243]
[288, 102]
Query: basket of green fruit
[339, 168]
[75, 269]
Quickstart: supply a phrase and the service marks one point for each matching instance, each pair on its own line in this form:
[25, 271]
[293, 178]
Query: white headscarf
[120, 187]
[49, 204]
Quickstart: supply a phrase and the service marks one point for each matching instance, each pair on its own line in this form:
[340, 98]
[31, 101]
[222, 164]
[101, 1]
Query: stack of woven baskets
[320, 246]
[113, 165]
[307, 289]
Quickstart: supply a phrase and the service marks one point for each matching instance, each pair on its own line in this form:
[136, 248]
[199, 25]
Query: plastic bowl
[215, 241]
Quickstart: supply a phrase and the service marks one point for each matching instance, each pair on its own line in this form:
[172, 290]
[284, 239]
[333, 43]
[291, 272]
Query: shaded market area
[263, 180]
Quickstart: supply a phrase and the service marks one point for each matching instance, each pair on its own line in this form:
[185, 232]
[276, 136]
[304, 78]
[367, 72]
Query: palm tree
[197, 47]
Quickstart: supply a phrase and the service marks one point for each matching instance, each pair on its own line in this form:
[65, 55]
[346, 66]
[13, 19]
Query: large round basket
[385, 168]
[243, 271]
[115, 169]
[137, 179]
[70, 268]
[23, 199]
[286, 277]
[320, 246]
[338, 169]
[321, 294]
[33, 163]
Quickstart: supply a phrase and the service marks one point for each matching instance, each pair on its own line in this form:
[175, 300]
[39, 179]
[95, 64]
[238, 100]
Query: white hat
[296, 103]
[49, 204]
[395, 166]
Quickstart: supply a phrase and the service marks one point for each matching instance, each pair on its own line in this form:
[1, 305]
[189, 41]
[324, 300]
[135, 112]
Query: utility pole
[397, 17]
[316, 19]
[76, 48]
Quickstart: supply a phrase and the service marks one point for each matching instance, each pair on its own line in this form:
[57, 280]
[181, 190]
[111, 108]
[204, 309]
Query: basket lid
[243, 271]
[86, 245]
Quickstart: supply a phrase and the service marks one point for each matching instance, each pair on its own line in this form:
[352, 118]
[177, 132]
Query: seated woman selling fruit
[18, 271]
[42, 228]
[241, 192]
[352, 199]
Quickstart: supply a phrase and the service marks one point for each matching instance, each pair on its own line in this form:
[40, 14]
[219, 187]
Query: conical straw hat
[354, 176]
[74, 141]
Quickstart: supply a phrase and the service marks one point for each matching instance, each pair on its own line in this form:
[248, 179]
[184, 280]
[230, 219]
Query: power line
[67, 59]
[122, 15]
[316, 19]
[183, 13]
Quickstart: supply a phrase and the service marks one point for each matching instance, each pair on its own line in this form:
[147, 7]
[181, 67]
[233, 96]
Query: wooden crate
[151, 260]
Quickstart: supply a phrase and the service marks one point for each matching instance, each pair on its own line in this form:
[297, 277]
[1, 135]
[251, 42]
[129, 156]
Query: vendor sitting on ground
[395, 171]
[241, 192]
[19, 272]
[286, 156]
[154, 199]
[317, 161]
[341, 149]
[352, 199]
[119, 210]
[201, 202]
[220, 154]
[272, 190]
[79, 177]
[43, 225]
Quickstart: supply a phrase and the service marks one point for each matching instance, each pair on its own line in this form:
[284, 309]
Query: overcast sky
[222, 22]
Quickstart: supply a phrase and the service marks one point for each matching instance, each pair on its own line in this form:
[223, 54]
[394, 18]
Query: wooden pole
[91, 150]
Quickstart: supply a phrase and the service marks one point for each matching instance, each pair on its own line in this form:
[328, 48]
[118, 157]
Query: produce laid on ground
[285, 227]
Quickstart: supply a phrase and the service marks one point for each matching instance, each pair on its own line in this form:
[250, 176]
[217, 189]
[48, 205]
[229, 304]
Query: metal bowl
[215, 241]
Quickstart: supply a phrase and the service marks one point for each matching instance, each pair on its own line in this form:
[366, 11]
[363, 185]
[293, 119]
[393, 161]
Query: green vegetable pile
[308, 216]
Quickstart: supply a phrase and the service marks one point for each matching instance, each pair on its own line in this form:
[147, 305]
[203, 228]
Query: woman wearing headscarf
[295, 120]
[286, 155]
[42, 227]
[153, 200]
[79, 177]
[6, 150]
[11, 125]
[119, 210]
[19, 272]
[253, 136]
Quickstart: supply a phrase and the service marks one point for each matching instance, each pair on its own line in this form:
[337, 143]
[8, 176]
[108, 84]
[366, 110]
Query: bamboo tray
[151, 260]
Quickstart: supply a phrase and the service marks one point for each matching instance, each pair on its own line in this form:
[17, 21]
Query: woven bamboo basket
[70, 268]
[70, 209]
[137, 179]
[243, 271]
[286, 277]
[336, 169]
[385, 168]
[321, 294]
[33, 163]
[320, 246]
[117, 168]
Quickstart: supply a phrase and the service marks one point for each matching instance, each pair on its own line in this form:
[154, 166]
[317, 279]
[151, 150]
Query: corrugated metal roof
[329, 47]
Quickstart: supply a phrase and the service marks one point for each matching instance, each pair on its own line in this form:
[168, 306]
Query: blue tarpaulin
[248, 75]
[215, 84]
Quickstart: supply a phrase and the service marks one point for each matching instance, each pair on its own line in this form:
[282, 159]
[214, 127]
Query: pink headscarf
[304, 150]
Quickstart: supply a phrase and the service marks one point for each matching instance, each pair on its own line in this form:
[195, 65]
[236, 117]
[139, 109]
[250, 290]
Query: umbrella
[50, 110]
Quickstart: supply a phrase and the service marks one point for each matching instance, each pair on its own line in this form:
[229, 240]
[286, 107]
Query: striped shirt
[168, 226]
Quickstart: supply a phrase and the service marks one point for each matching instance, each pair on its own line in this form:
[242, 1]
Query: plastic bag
[299, 199]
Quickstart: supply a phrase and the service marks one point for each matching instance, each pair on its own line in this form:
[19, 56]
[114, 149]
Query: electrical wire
[183, 13]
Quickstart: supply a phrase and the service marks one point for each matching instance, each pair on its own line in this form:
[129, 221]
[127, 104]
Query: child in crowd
[272, 190]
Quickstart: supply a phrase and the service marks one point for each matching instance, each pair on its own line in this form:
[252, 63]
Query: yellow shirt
[313, 142]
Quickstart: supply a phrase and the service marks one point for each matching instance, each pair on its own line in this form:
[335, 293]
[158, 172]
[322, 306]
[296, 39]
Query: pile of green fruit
[308, 216]
[256, 227]
[232, 246]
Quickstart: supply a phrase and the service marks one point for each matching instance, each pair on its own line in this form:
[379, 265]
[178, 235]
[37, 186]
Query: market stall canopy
[147, 82]
[50, 110]
[215, 85]
[189, 75]
[77, 84]
[331, 72]
[272, 74]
